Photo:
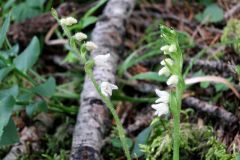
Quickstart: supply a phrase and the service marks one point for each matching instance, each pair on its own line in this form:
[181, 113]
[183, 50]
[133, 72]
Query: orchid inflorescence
[99, 60]
[171, 67]
[104, 89]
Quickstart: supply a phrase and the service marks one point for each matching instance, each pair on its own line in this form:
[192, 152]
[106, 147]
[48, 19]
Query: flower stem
[176, 136]
[176, 119]
[109, 105]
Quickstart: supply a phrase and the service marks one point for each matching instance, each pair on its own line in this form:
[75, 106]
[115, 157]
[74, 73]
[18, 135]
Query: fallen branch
[232, 11]
[23, 32]
[93, 115]
[211, 110]
[30, 137]
[215, 79]
[221, 67]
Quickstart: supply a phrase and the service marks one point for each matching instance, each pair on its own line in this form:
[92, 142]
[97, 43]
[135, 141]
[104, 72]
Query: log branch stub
[93, 117]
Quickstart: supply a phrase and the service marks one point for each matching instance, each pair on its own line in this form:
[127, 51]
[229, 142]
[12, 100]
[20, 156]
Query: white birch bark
[93, 116]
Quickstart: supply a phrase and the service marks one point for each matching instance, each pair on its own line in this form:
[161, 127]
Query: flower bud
[90, 46]
[80, 36]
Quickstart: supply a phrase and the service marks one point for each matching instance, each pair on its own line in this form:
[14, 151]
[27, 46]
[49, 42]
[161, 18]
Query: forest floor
[209, 34]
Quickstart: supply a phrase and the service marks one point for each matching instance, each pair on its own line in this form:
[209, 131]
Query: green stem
[176, 118]
[176, 136]
[109, 105]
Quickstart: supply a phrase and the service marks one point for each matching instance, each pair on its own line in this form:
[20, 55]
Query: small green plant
[80, 49]
[212, 13]
[231, 33]
[22, 88]
[172, 66]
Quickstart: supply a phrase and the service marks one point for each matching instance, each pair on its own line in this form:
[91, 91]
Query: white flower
[172, 48]
[164, 71]
[91, 46]
[80, 36]
[167, 61]
[68, 21]
[163, 96]
[173, 80]
[100, 60]
[165, 48]
[161, 109]
[106, 88]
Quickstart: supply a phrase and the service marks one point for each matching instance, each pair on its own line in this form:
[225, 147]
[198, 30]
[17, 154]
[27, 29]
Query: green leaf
[237, 69]
[47, 88]
[8, 4]
[4, 72]
[11, 52]
[4, 29]
[117, 143]
[35, 3]
[6, 106]
[206, 2]
[95, 8]
[149, 76]
[10, 135]
[29, 56]
[85, 22]
[36, 107]
[204, 85]
[13, 91]
[27, 9]
[212, 13]
[142, 138]
[238, 156]
[220, 87]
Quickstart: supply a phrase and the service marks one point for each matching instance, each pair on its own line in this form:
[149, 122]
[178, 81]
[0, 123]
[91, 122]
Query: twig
[211, 110]
[232, 11]
[215, 79]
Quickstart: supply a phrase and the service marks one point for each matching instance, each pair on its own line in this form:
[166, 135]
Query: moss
[196, 143]
[231, 33]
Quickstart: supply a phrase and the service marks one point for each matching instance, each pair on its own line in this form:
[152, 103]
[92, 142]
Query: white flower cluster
[162, 102]
[173, 80]
[167, 49]
[105, 87]
[161, 105]
[68, 21]
[90, 46]
[79, 36]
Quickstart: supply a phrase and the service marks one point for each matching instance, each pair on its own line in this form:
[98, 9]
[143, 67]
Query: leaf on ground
[47, 88]
[36, 107]
[212, 13]
[6, 107]
[29, 56]
[10, 135]
[4, 30]
[13, 91]
[149, 76]
[142, 138]
[117, 143]
[4, 72]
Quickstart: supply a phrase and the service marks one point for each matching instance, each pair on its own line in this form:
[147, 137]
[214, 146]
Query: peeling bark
[93, 116]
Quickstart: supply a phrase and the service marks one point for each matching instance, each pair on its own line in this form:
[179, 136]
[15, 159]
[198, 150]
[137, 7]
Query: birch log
[93, 115]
